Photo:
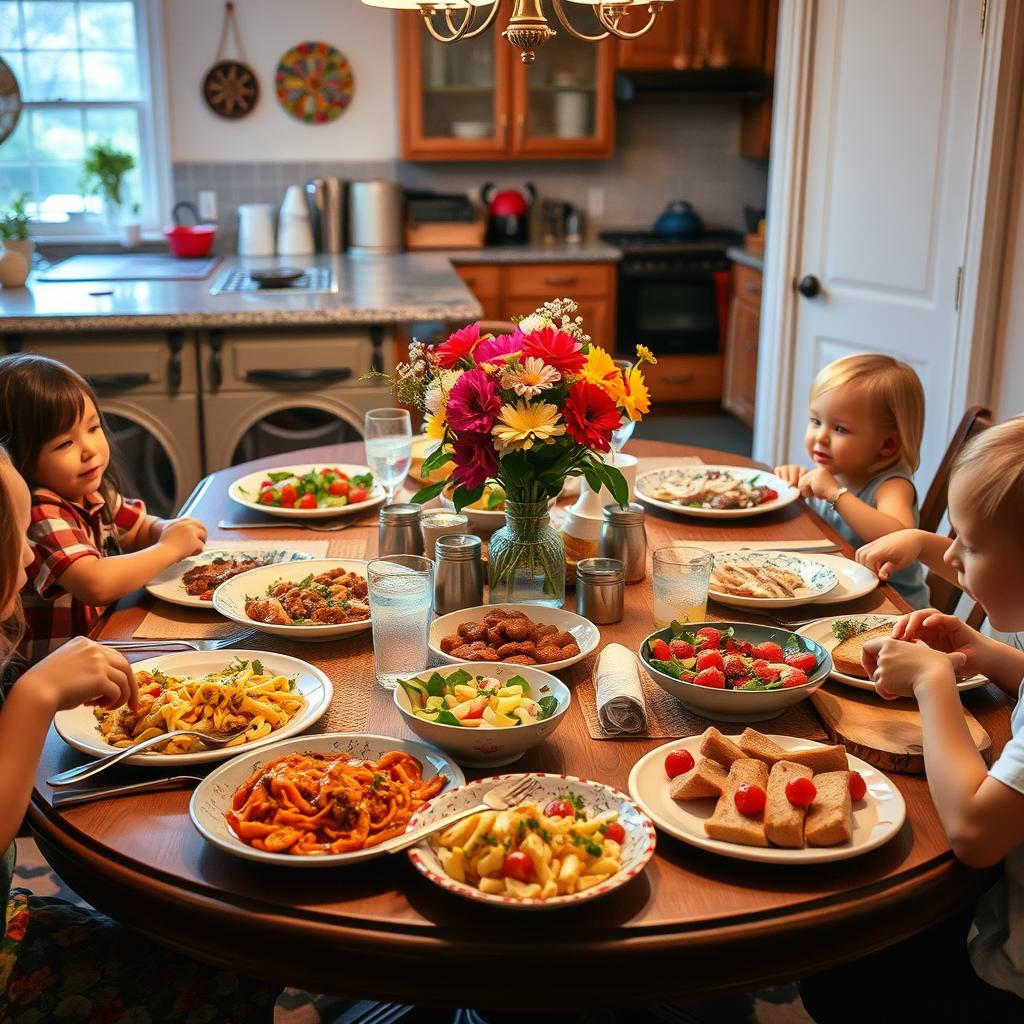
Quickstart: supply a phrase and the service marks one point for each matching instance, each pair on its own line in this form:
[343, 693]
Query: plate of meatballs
[550, 638]
[321, 599]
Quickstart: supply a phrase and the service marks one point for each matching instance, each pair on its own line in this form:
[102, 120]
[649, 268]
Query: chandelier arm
[428, 10]
[604, 15]
[487, 21]
[557, 5]
[464, 27]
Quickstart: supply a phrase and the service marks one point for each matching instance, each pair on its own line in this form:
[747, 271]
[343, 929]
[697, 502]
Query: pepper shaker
[399, 532]
[623, 537]
[600, 589]
[458, 573]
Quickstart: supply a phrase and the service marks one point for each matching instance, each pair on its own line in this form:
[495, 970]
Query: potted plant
[103, 174]
[16, 261]
[131, 230]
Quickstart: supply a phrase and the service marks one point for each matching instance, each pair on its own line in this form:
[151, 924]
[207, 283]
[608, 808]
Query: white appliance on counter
[256, 229]
[294, 232]
[375, 217]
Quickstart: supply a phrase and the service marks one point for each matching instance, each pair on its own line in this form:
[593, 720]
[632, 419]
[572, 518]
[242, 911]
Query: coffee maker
[508, 222]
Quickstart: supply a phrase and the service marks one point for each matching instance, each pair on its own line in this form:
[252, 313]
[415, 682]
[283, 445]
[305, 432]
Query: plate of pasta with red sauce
[320, 801]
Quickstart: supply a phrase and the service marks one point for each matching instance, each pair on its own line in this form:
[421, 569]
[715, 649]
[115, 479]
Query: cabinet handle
[175, 342]
[377, 340]
[754, 289]
[556, 282]
[216, 366]
[503, 129]
[750, 346]
[116, 381]
[520, 131]
[329, 376]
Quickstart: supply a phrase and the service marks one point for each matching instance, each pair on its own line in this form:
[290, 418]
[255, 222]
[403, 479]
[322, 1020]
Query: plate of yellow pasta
[573, 840]
[267, 696]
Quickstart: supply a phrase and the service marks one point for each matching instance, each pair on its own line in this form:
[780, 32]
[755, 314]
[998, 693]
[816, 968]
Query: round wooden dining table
[692, 923]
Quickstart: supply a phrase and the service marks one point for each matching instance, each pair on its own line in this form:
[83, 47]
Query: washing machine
[148, 389]
[271, 391]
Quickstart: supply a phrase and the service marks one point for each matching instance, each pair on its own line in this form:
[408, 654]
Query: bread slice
[846, 657]
[727, 823]
[716, 747]
[705, 778]
[784, 823]
[818, 759]
[830, 818]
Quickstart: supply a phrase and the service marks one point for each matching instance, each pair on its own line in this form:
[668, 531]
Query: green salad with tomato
[481, 702]
[319, 488]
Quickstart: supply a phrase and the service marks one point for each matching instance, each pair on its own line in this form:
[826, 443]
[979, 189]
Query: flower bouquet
[523, 411]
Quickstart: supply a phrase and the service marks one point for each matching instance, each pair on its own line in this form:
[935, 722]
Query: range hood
[707, 81]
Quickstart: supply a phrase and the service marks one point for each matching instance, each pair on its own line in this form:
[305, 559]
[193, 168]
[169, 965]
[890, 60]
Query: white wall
[367, 130]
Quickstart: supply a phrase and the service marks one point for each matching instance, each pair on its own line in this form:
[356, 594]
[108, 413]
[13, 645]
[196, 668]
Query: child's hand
[84, 672]
[818, 483]
[945, 633]
[892, 552]
[791, 474]
[183, 537]
[897, 666]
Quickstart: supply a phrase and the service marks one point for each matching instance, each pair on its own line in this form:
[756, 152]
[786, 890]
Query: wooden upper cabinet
[476, 100]
[667, 46]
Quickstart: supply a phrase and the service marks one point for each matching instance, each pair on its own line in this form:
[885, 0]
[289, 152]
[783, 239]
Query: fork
[212, 740]
[171, 645]
[499, 798]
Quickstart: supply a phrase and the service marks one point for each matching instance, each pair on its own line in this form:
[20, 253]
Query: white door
[894, 109]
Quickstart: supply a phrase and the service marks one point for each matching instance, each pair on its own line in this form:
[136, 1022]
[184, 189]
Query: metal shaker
[399, 532]
[600, 589]
[623, 537]
[458, 573]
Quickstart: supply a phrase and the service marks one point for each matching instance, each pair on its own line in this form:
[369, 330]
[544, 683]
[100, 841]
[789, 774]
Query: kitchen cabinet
[756, 118]
[476, 100]
[740, 383]
[685, 379]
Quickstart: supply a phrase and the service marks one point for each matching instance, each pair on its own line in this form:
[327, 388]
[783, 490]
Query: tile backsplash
[667, 147]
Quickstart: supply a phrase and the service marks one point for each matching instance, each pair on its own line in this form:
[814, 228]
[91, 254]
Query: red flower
[556, 348]
[459, 345]
[473, 404]
[475, 460]
[590, 416]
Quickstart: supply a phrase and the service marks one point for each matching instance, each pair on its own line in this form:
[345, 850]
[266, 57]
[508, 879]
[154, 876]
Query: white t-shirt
[996, 939]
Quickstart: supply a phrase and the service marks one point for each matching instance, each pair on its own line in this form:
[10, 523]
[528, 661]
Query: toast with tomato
[783, 820]
[830, 818]
[730, 824]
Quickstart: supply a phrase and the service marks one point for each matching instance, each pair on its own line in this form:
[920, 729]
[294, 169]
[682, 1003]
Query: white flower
[529, 378]
[437, 393]
[534, 322]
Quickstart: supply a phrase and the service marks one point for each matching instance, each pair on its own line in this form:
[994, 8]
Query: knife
[66, 797]
[823, 545]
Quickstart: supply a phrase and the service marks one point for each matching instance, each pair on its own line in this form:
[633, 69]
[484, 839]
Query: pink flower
[495, 348]
[590, 416]
[475, 460]
[459, 345]
[556, 348]
[473, 403]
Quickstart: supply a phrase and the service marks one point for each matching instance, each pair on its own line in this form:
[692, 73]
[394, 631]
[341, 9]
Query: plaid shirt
[61, 532]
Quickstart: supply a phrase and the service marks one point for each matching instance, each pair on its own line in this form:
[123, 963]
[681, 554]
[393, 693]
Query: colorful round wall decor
[314, 82]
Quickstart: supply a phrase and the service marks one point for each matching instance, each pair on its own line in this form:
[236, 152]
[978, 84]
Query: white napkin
[620, 697]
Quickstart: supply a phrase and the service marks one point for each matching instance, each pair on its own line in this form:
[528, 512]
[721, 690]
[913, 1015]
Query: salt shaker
[623, 537]
[458, 573]
[600, 589]
[400, 532]
[439, 522]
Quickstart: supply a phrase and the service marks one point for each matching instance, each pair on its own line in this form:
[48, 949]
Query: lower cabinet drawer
[685, 379]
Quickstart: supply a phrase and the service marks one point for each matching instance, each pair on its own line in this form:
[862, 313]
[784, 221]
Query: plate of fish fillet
[769, 579]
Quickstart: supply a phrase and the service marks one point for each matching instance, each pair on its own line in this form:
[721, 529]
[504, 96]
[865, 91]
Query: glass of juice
[681, 577]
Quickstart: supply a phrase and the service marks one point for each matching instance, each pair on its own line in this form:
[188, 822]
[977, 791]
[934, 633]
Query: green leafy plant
[14, 221]
[104, 171]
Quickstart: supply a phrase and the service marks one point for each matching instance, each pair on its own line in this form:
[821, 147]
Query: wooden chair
[974, 421]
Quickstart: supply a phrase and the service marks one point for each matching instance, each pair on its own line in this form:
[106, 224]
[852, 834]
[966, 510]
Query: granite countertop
[401, 288]
[561, 252]
[744, 256]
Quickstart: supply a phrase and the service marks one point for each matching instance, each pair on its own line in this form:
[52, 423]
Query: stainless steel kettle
[326, 198]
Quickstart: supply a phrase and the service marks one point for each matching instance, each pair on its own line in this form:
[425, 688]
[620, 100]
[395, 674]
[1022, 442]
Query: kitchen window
[88, 70]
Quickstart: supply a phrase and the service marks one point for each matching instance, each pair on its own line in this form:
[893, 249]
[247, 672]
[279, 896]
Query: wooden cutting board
[886, 734]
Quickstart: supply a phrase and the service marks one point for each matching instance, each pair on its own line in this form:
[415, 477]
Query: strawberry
[660, 650]
[734, 646]
[709, 637]
[712, 677]
[710, 659]
[734, 667]
[794, 677]
[805, 661]
[769, 651]
[767, 673]
[681, 649]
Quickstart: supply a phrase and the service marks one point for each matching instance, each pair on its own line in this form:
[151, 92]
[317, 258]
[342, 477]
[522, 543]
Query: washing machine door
[292, 427]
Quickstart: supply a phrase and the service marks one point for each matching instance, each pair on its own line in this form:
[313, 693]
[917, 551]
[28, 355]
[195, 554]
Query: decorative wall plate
[314, 82]
[10, 101]
[231, 88]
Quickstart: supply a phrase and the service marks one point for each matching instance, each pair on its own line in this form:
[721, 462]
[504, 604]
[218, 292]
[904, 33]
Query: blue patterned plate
[754, 570]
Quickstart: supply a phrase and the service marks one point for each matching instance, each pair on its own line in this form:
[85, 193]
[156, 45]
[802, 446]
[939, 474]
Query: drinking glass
[401, 604]
[388, 439]
[624, 431]
[681, 577]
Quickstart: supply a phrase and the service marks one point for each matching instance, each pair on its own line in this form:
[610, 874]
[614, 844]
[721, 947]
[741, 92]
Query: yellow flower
[522, 425]
[600, 370]
[434, 424]
[631, 395]
[645, 355]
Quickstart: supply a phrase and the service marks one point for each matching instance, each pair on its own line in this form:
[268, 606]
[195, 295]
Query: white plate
[876, 818]
[586, 633]
[819, 579]
[787, 494]
[820, 631]
[637, 849]
[246, 491]
[214, 794]
[79, 728]
[229, 598]
[855, 580]
[168, 586]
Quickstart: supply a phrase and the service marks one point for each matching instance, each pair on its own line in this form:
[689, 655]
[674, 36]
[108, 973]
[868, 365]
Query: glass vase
[526, 559]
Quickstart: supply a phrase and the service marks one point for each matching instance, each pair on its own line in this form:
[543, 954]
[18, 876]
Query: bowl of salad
[734, 671]
[483, 713]
[316, 491]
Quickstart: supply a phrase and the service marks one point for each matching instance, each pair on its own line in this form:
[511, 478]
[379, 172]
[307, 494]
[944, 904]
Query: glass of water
[401, 604]
[625, 429]
[681, 578]
[388, 438]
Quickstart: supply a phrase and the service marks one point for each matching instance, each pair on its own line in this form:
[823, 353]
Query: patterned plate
[651, 483]
[314, 82]
[818, 578]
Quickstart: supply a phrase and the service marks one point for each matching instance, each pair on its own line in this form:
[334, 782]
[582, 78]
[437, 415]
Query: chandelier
[449, 21]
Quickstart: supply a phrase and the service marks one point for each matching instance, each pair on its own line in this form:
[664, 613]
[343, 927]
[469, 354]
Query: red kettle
[509, 213]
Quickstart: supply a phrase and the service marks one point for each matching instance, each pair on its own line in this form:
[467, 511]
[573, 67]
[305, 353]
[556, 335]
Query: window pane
[59, 190]
[108, 25]
[14, 181]
[52, 76]
[57, 135]
[50, 26]
[15, 148]
[118, 127]
[10, 28]
[110, 75]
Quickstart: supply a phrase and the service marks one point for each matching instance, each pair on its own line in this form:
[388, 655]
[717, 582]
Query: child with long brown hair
[90, 545]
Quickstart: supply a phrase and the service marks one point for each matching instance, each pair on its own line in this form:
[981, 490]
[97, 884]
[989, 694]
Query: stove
[631, 242]
[314, 280]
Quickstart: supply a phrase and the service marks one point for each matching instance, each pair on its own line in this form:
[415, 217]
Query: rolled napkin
[619, 694]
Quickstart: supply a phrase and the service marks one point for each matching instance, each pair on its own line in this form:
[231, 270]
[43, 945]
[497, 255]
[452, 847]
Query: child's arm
[148, 530]
[983, 817]
[894, 509]
[791, 474]
[898, 550]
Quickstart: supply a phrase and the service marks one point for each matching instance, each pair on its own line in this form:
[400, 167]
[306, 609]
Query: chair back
[974, 421]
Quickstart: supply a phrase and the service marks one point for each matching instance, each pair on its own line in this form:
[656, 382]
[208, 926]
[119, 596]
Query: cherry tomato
[358, 494]
[560, 809]
[800, 792]
[307, 501]
[154, 691]
[288, 494]
[750, 800]
[266, 484]
[339, 488]
[769, 494]
[858, 787]
[268, 498]
[677, 762]
[518, 866]
[615, 832]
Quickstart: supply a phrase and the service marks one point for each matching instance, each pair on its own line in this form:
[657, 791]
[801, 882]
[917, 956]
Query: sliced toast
[727, 823]
[830, 818]
[784, 823]
[818, 759]
[846, 657]
[718, 748]
[705, 778]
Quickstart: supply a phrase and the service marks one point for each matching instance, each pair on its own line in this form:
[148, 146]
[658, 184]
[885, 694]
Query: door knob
[809, 286]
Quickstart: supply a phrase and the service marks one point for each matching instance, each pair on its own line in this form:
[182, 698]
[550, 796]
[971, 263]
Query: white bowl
[471, 129]
[481, 521]
[489, 748]
[229, 598]
[246, 491]
[819, 579]
[586, 633]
